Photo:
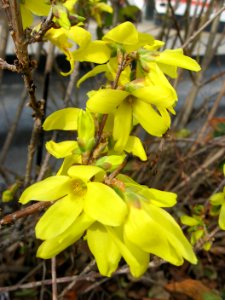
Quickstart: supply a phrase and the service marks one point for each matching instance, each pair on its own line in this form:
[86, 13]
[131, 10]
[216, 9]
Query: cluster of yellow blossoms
[117, 216]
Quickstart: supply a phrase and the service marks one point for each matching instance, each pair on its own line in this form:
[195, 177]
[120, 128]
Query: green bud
[61, 14]
[7, 196]
[86, 131]
[207, 246]
[110, 163]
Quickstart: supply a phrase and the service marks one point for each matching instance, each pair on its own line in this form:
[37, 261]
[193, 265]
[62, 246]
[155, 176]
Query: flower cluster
[123, 219]
[90, 197]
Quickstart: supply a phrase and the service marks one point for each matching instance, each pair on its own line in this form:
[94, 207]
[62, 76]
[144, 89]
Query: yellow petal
[145, 39]
[62, 149]
[68, 162]
[157, 78]
[52, 247]
[168, 70]
[63, 212]
[173, 232]
[149, 119]
[177, 58]
[69, 4]
[27, 17]
[95, 71]
[96, 52]
[155, 46]
[79, 35]
[86, 172]
[104, 7]
[103, 204]
[136, 258]
[37, 7]
[123, 115]
[125, 33]
[106, 100]
[217, 199]
[157, 95]
[63, 119]
[164, 237]
[134, 146]
[103, 248]
[49, 189]
[160, 198]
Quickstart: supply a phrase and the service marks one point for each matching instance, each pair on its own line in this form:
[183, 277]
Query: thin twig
[54, 279]
[5, 66]
[209, 117]
[71, 285]
[194, 36]
[24, 212]
[36, 284]
[13, 128]
[213, 157]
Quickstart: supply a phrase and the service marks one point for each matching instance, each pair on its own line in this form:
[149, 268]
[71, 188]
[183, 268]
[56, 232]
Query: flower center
[79, 187]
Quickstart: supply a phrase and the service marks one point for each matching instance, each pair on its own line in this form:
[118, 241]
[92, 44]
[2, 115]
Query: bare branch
[5, 66]
[34, 208]
[195, 35]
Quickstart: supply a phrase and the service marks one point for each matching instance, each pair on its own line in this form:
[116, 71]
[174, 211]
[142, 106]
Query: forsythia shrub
[91, 197]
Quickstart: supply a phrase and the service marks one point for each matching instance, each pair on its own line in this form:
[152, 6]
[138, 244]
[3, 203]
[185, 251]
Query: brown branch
[12, 129]
[54, 279]
[208, 162]
[23, 64]
[36, 284]
[195, 35]
[31, 150]
[5, 66]
[24, 212]
[209, 117]
[110, 178]
[37, 36]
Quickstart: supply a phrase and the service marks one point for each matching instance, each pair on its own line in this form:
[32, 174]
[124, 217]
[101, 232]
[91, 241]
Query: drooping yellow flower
[80, 198]
[126, 36]
[111, 246]
[147, 230]
[134, 103]
[67, 39]
[97, 8]
[168, 60]
[150, 227]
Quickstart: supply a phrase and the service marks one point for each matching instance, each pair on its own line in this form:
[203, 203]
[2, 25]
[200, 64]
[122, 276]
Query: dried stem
[209, 117]
[196, 34]
[24, 212]
[54, 279]
[5, 66]
[12, 130]
[24, 64]
[212, 159]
